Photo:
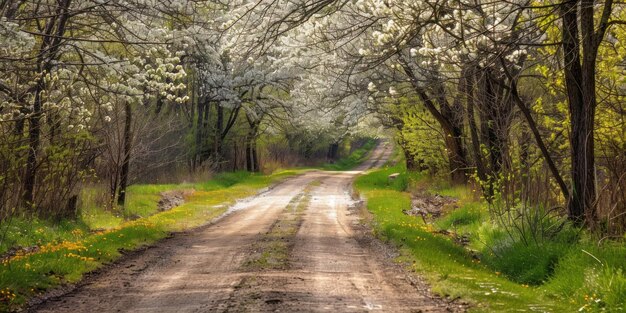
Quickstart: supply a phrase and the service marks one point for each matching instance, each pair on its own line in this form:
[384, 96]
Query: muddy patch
[256, 294]
[430, 207]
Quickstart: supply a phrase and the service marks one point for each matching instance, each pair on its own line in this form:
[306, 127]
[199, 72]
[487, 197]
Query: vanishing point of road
[330, 266]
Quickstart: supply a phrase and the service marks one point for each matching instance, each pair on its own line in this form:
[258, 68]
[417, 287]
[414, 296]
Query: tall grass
[497, 272]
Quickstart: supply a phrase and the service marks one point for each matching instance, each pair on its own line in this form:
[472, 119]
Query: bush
[525, 264]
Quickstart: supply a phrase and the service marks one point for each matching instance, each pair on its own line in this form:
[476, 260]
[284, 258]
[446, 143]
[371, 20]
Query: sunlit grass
[96, 218]
[69, 249]
[577, 281]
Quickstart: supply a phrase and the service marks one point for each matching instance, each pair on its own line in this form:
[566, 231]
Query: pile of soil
[18, 250]
[171, 199]
[431, 206]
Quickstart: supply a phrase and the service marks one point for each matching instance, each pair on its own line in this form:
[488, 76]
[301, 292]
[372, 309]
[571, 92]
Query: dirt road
[296, 248]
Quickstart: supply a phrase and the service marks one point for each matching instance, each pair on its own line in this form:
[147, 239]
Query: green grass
[354, 159]
[592, 276]
[142, 199]
[507, 276]
[97, 218]
[21, 232]
[469, 214]
[379, 179]
[69, 249]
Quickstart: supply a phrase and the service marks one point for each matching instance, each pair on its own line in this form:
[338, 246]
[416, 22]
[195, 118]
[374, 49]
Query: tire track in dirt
[327, 264]
[333, 266]
[193, 271]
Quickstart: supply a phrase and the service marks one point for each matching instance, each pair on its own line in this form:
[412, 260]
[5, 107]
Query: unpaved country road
[230, 267]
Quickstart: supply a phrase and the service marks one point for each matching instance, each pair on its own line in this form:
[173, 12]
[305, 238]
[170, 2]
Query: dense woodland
[522, 102]
[522, 98]
[116, 92]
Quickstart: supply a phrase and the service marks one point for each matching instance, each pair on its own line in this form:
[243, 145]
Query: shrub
[525, 264]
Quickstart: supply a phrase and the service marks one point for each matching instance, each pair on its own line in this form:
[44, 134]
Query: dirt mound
[18, 250]
[171, 199]
[426, 205]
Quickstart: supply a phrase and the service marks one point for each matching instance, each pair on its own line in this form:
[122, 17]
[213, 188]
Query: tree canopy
[524, 98]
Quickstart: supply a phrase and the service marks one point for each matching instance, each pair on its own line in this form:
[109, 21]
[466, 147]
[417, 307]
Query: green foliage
[309, 144]
[563, 265]
[224, 180]
[379, 179]
[354, 159]
[92, 212]
[24, 233]
[142, 199]
[497, 271]
[421, 135]
[449, 268]
[592, 276]
[526, 264]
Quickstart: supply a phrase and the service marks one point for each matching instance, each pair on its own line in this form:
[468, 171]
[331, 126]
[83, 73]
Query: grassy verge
[354, 159]
[494, 273]
[63, 252]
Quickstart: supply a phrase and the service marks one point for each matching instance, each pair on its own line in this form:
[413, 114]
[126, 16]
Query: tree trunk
[581, 94]
[582, 144]
[205, 150]
[450, 123]
[412, 164]
[121, 196]
[34, 132]
[202, 150]
[333, 151]
[217, 139]
[113, 184]
[456, 157]
[249, 160]
[494, 126]
[454, 136]
[51, 42]
[252, 159]
[199, 134]
[255, 157]
[468, 91]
